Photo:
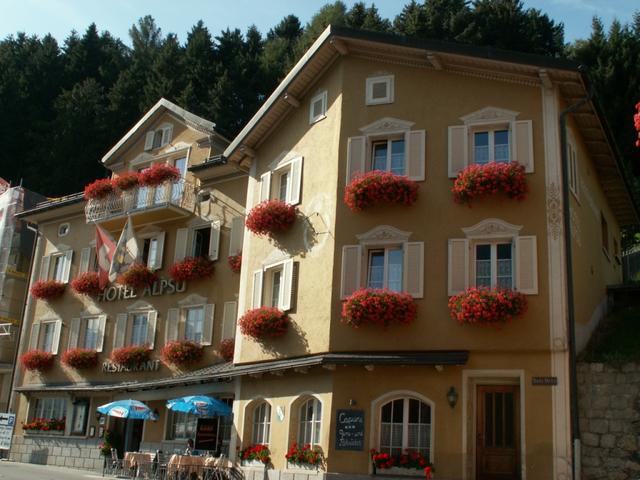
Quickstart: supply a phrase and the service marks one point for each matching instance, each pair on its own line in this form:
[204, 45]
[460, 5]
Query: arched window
[405, 423]
[309, 422]
[261, 424]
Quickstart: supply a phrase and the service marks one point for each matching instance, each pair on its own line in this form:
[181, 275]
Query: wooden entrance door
[497, 427]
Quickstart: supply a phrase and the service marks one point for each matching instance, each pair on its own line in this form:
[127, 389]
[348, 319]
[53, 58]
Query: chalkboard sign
[350, 430]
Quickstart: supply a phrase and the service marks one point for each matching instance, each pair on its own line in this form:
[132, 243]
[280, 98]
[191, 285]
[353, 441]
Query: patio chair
[112, 465]
[160, 463]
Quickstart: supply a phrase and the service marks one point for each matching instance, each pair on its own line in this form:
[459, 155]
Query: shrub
[271, 217]
[256, 452]
[378, 307]
[47, 289]
[235, 262]
[226, 349]
[87, 283]
[37, 360]
[377, 187]
[138, 276]
[264, 322]
[126, 181]
[192, 268]
[487, 306]
[305, 455]
[130, 356]
[182, 352]
[45, 424]
[98, 189]
[493, 177]
[80, 358]
[158, 174]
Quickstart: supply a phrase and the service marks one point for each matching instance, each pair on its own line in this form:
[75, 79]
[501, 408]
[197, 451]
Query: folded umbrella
[132, 409]
[200, 405]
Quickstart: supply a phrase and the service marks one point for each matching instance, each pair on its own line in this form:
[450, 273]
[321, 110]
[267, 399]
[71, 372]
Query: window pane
[398, 410]
[379, 157]
[275, 288]
[395, 270]
[58, 268]
[481, 147]
[397, 157]
[379, 90]
[47, 336]
[139, 329]
[317, 108]
[501, 142]
[91, 333]
[282, 189]
[483, 265]
[505, 265]
[376, 269]
[194, 324]
[201, 238]
[386, 412]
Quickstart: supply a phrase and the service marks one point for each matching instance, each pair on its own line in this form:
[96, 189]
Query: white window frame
[175, 418]
[276, 182]
[320, 97]
[261, 423]
[52, 266]
[185, 312]
[405, 421]
[84, 328]
[493, 243]
[490, 130]
[386, 249]
[388, 80]
[159, 238]
[268, 285]
[313, 426]
[42, 409]
[44, 324]
[572, 169]
[129, 333]
[194, 229]
[389, 139]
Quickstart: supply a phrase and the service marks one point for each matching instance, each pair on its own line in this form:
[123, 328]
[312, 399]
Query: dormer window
[159, 137]
[379, 90]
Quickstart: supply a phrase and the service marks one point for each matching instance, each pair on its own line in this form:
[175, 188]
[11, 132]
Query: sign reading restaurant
[148, 366]
[159, 287]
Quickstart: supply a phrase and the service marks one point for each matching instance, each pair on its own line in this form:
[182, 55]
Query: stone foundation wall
[609, 399]
[60, 451]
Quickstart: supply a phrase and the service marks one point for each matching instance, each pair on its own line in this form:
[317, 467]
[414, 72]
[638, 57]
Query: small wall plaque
[544, 381]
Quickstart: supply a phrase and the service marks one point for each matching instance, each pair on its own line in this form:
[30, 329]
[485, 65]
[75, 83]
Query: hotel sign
[160, 287]
[148, 366]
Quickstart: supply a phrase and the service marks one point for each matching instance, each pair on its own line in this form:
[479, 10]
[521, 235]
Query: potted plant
[235, 262]
[402, 463]
[126, 181]
[480, 180]
[256, 455]
[45, 425]
[159, 173]
[192, 268]
[226, 349]
[378, 307]
[37, 360]
[487, 306]
[305, 456]
[264, 322]
[47, 289]
[271, 217]
[182, 352]
[80, 358]
[376, 187]
[99, 189]
[87, 283]
[138, 276]
[131, 356]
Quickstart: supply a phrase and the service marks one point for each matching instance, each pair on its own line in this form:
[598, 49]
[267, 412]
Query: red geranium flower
[37, 360]
[264, 322]
[235, 262]
[80, 358]
[98, 189]
[305, 455]
[226, 349]
[158, 174]
[192, 268]
[130, 356]
[87, 283]
[379, 186]
[378, 307]
[138, 276]
[126, 181]
[256, 452]
[47, 289]
[477, 180]
[270, 217]
[182, 352]
[487, 306]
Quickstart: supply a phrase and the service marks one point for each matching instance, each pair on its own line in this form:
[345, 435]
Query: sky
[59, 17]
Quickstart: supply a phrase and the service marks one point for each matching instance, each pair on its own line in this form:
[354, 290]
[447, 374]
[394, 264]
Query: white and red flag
[126, 252]
[105, 249]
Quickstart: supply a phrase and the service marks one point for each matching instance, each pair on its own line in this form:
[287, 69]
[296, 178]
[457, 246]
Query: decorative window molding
[383, 235]
[489, 116]
[193, 300]
[492, 228]
[140, 306]
[387, 125]
[379, 90]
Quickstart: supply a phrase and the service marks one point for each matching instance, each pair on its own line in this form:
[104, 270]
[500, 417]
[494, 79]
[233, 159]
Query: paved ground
[28, 471]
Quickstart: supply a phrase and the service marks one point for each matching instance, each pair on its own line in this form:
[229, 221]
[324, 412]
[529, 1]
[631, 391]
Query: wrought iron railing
[180, 194]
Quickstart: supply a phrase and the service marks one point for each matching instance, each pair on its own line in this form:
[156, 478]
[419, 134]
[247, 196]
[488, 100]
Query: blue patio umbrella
[130, 409]
[200, 405]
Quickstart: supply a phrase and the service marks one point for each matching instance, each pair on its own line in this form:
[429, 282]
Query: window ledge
[317, 119]
[43, 433]
[399, 472]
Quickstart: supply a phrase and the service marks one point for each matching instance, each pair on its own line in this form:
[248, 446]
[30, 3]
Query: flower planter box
[99, 189]
[47, 289]
[87, 283]
[131, 356]
[481, 180]
[264, 323]
[138, 276]
[182, 352]
[303, 466]
[379, 187]
[157, 174]
[37, 360]
[44, 433]
[80, 358]
[271, 217]
[400, 472]
[226, 349]
[378, 307]
[235, 262]
[191, 268]
[253, 464]
[126, 181]
[491, 307]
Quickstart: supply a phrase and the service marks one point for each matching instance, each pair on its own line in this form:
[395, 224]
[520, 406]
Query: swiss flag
[105, 248]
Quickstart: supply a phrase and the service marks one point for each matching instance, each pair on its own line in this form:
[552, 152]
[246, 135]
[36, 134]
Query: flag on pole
[126, 253]
[105, 248]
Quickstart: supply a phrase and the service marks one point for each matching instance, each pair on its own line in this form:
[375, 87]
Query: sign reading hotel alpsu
[160, 287]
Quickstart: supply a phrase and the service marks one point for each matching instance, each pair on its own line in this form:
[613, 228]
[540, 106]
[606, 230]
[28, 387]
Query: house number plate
[545, 381]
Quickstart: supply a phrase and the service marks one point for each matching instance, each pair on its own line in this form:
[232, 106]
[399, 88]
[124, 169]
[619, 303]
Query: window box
[99, 189]
[80, 358]
[159, 173]
[378, 307]
[126, 181]
[271, 217]
[44, 433]
[226, 349]
[491, 307]
[87, 283]
[255, 456]
[192, 268]
[377, 187]
[47, 289]
[480, 180]
[304, 457]
[130, 356]
[138, 276]
[182, 352]
[264, 323]
[37, 360]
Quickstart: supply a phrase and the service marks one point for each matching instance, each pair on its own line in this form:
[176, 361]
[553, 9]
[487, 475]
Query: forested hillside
[63, 106]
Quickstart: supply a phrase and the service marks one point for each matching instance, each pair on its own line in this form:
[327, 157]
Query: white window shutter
[102, 323]
[148, 141]
[120, 330]
[207, 324]
[287, 285]
[181, 244]
[257, 289]
[74, 333]
[356, 154]
[171, 326]
[458, 149]
[156, 263]
[265, 186]
[458, 265]
[35, 336]
[56, 337]
[85, 260]
[351, 269]
[237, 234]
[523, 144]
[414, 269]
[416, 158]
[167, 134]
[68, 257]
[295, 183]
[526, 265]
[152, 320]
[214, 240]
[44, 267]
[229, 320]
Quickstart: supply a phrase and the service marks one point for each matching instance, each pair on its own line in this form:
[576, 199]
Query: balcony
[144, 204]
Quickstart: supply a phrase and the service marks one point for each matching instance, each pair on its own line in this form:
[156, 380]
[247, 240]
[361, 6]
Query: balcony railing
[179, 194]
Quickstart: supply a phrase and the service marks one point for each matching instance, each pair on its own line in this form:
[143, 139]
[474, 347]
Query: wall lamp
[452, 397]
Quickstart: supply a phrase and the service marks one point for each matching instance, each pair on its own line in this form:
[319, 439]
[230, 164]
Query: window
[494, 265]
[573, 169]
[139, 326]
[79, 416]
[283, 182]
[491, 146]
[318, 107]
[380, 90]
[194, 324]
[283, 185]
[181, 425]
[605, 234]
[87, 332]
[92, 333]
[261, 424]
[388, 155]
[273, 285]
[58, 267]
[152, 249]
[310, 422]
[47, 336]
[201, 241]
[384, 268]
[63, 229]
[50, 408]
[159, 137]
[405, 424]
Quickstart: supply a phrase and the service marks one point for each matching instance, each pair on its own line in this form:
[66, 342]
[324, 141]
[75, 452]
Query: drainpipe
[566, 213]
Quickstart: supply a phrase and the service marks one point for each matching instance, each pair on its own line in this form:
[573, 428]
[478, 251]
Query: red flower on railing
[493, 177]
[235, 262]
[264, 322]
[377, 187]
[378, 307]
[80, 358]
[45, 424]
[138, 276]
[192, 268]
[182, 352]
[487, 306]
[256, 452]
[636, 123]
[411, 460]
[47, 289]
[87, 283]
[126, 181]
[37, 360]
[130, 356]
[158, 174]
[226, 349]
[98, 189]
[305, 455]
[271, 217]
